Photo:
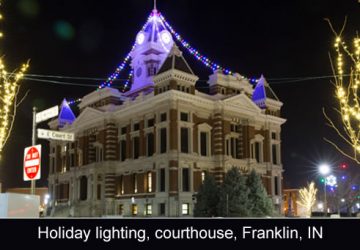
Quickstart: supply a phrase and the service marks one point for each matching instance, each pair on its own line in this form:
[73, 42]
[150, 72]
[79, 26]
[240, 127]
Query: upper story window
[123, 130]
[152, 69]
[136, 127]
[150, 122]
[163, 117]
[184, 117]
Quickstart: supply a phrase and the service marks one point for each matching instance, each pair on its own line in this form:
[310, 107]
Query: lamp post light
[324, 170]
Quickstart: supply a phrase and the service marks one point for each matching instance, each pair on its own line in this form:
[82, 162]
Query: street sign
[32, 162]
[55, 135]
[47, 114]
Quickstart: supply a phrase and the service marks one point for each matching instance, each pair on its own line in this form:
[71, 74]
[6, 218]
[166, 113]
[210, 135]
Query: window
[186, 180]
[98, 191]
[162, 209]
[83, 188]
[148, 209]
[136, 147]
[163, 117]
[162, 180]
[99, 154]
[121, 209]
[134, 209]
[149, 182]
[203, 176]
[232, 148]
[149, 144]
[72, 160]
[204, 138]
[150, 123]
[80, 159]
[53, 150]
[274, 154]
[185, 208]
[273, 135]
[276, 185]
[184, 117]
[136, 127]
[163, 141]
[120, 185]
[63, 162]
[184, 135]
[123, 130]
[151, 69]
[257, 151]
[122, 150]
[135, 186]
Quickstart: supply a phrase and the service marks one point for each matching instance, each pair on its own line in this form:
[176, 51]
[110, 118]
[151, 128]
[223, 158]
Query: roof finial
[155, 5]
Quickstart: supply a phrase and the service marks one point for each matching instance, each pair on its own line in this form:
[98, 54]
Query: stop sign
[32, 162]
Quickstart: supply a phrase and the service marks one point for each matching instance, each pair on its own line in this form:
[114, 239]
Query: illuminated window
[148, 209]
[135, 183]
[149, 182]
[134, 209]
[203, 175]
[185, 209]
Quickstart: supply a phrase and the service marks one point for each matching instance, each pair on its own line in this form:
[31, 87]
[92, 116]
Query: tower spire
[155, 5]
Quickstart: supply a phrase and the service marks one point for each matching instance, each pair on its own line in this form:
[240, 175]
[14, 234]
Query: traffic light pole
[33, 142]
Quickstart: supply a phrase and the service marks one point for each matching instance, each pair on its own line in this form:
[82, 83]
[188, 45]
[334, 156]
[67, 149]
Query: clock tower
[153, 45]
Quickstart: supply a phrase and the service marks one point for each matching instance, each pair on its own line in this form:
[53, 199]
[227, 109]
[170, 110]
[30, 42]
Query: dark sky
[277, 38]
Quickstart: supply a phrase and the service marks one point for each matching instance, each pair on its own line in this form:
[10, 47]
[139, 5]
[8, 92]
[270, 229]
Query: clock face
[140, 38]
[139, 72]
[166, 37]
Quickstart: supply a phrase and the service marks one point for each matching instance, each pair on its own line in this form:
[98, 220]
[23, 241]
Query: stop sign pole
[33, 142]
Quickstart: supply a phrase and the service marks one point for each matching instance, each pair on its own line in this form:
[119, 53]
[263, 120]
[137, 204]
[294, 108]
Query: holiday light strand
[347, 94]
[125, 62]
[9, 88]
[200, 57]
[197, 55]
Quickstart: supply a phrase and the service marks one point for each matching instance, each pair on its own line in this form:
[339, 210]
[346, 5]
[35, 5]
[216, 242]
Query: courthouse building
[145, 152]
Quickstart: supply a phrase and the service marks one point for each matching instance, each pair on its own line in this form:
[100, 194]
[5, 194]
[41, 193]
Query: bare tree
[346, 71]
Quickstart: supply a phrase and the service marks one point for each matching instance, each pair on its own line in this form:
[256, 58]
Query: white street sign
[55, 135]
[32, 163]
[47, 114]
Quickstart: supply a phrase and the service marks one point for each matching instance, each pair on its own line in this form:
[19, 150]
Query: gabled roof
[175, 60]
[66, 115]
[263, 91]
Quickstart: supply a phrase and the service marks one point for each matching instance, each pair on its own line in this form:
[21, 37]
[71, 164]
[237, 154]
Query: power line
[43, 79]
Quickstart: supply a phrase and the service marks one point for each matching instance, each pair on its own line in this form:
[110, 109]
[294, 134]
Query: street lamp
[324, 170]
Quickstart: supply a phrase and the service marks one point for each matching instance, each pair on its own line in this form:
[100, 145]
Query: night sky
[280, 39]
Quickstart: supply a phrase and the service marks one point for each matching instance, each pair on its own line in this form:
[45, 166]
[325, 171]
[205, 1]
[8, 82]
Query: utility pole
[33, 142]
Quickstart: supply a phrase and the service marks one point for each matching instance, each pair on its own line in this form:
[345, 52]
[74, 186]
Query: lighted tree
[9, 90]
[9, 101]
[308, 197]
[346, 70]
